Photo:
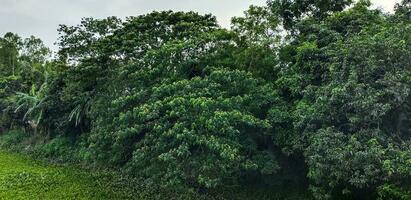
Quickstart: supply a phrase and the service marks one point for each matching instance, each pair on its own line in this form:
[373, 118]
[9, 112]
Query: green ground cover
[23, 178]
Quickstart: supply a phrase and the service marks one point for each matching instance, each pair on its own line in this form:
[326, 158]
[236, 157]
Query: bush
[12, 140]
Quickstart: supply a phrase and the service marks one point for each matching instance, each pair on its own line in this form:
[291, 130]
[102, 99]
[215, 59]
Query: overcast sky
[42, 17]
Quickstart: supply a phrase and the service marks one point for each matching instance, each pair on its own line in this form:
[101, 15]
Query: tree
[292, 11]
[9, 50]
[348, 77]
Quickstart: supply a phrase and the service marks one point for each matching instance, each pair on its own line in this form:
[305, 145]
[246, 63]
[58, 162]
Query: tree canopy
[316, 90]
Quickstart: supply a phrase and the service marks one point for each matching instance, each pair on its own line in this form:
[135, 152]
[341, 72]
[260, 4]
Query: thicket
[315, 92]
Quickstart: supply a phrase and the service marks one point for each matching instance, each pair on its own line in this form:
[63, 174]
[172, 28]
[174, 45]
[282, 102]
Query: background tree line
[310, 92]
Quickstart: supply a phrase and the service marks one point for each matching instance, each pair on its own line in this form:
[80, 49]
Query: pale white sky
[385, 4]
[42, 17]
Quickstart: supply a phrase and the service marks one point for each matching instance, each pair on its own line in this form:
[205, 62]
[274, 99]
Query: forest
[311, 95]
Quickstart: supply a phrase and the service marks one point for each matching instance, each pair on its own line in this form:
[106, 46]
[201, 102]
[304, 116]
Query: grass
[22, 178]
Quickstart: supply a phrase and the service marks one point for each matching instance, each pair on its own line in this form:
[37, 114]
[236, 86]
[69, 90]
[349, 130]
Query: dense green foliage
[310, 92]
[24, 178]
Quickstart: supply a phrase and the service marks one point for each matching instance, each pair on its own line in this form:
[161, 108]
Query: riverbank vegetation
[314, 94]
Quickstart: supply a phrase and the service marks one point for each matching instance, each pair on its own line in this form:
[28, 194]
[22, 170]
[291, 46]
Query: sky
[42, 17]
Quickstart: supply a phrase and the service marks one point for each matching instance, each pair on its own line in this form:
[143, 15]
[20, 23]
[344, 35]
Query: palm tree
[33, 102]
